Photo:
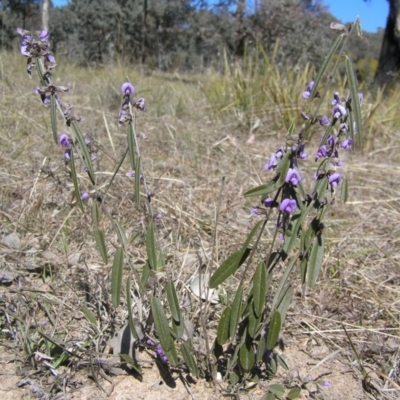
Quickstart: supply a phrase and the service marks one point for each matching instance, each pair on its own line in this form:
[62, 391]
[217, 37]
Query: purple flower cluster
[125, 115]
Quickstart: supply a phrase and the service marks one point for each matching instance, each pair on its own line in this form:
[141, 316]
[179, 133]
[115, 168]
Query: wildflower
[336, 99]
[339, 111]
[293, 176]
[160, 352]
[43, 35]
[85, 196]
[140, 104]
[93, 155]
[346, 144]
[274, 160]
[269, 203]
[288, 206]
[334, 180]
[299, 151]
[307, 93]
[87, 140]
[127, 88]
[63, 139]
[67, 155]
[255, 211]
[321, 152]
[331, 140]
[158, 216]
[343, 128]
[149, 342]
[324, 121]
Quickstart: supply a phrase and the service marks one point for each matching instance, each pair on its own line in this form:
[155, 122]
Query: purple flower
[127, 88]
[50, 58]
[343, 128]
[63, 139]
[288, 206]
[334, 180]
[336, 99]
[140, 104]
[331, 140]
[85, 196]
[269, 203]
[327, 384]
[346, 144]
[93, 155]
[255, 211]
[339, 111]
[293, 176]
[149, 342]
[306, 95]
[87, 140]
[44, 35]
[158, 216]
[324, 121]
[67, 155]
[321, 152]
[272, 163]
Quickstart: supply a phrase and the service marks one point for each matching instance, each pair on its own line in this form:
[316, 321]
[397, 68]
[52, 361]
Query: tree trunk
[389, 60]
[45, 14]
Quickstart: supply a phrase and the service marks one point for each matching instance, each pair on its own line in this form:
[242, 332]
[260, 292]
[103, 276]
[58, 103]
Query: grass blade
[89, 316]
[173, 301]
[151, 247]
[116, 276]
[161, 324]
[274, 330]
[315, 261]
[75, 181]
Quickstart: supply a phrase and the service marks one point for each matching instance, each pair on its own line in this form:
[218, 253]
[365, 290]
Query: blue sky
[373, 13]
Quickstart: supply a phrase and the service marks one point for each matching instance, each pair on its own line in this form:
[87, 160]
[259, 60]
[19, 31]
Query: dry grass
[51, 268]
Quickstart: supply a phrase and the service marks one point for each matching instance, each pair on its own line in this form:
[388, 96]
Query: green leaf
[131, 362]
[262, 346]
[84, 151]
[344, 191]
[121, 233]
[282, 362]
[161, 324]
[233, 378]
[151, 247]
[187, 351]
[293, 394]
[145, 274]
[274, 330]
[101, 244]
[131, 147]
[325, 64]
[137, 182]
[228, 267]
[262, 189]
[259, 289]
[277, 390]
[246, 356]
[270, 396]
[178, 328]
[172, 355]
[355, 103]
[315, 260]
[53, 117]
[95, 214]
[285, 303]
[235, 312]
[254, 321]
[129, 306]
[89, 315]
[223, 326]
[252, 233]
[75, 180]
[116, 276]
[173, 301]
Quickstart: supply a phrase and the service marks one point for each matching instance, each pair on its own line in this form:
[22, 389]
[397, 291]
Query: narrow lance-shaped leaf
[95, 214]
[101, 244]
[137, 182]
[187, 351]
[161, 324]
[131, 146]
[355, 102]
[274, 330]
[315, 260]
[259, 289]
[325, 64]
[235, 312]
[131, 362]
[129, 305]
[75, 180]
[84, 151]
[116, 276]
[53, 117]
[172, 355]
[285, 303]
[173, 301]
[151, 247]
[246, 356]
[120, 232]
[223, 326]
[344, 190]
